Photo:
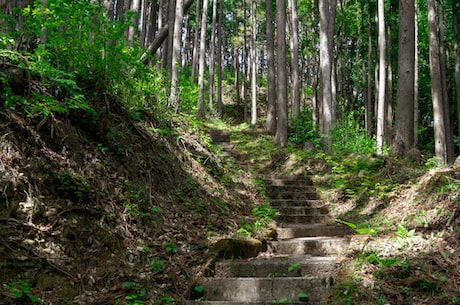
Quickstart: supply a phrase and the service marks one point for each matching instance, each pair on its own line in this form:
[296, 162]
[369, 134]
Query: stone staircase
[299, 266]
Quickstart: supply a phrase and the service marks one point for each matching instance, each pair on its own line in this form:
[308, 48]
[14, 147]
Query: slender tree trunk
[404, 125]
[220, 41]
[389, 89]
[326, 11]
[455, 12]
[315, 101]
[177, 42]
[201, 67]
[236, 63]
[436, 86]
[294, 43]
[281, 135]
[195, 40]
[445, 95]
[416, 78]
[212, 44]
[382, 78]
[253, 64]
[369, 112]
[133, 28]
[271, 80]
[143, 23]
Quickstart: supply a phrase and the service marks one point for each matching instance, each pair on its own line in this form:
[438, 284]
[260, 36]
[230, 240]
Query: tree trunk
[445, 96]
[404, 124]
[220, 41]
[176, 53]
[253, 64]
[204, 22]
[326, 11]
[416, 78]
[294, 43]
[212, 44]
[281, 135]
[455, 12]
[436, 86]
[271, 80]
[133, 28]
[382, 78]
[143, 23]
[369, 110]
[389, 89]
[195, 41]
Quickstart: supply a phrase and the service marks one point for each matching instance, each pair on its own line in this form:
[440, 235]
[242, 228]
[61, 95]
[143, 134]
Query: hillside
[122, 209]
[95, 212]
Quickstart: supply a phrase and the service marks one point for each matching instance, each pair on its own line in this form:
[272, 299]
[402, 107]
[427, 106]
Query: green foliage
[358, 230]
[349, 136]
[73, 185]
[264, 212]
[20, 289]
[135, 296]
[301, 129]
[293, 266]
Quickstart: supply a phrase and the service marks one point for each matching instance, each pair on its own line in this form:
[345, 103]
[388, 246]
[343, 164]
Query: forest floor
[122, 210]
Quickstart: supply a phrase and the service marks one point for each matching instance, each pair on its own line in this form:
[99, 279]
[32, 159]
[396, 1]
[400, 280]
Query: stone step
[299, 219]
[303, 211]
[295, 266]
[316, 245]
[306, 195]
[289, 231]
[277, 289]
[283, 181]
[219, 136]
[271, 189]
[309, 203]
[255, 303]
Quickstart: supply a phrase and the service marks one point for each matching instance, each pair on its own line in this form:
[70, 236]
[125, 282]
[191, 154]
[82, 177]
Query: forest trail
[300, 265]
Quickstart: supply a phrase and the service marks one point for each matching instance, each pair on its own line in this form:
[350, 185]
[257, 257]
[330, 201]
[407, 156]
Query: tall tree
[294, 43]
[404, 123]
[455, 12]
[212, 54]
[201, 64]
[281, 134]
[382, 77]
[177, 42]
[253, 64]
[220, 41]
[196, 40]
[271, 80]
[327, 9]
[440, 136]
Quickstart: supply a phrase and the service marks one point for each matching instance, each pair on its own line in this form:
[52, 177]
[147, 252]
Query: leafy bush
[349, 136]
[301, 129]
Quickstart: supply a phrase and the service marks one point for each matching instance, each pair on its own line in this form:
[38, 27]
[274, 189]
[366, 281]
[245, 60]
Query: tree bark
[271, 80]
[404, 123]
[220, 41]
[212, 44]
[201, 67]
[195, 41]
[294, 43]
[176, 54]
[382, 78]
[436, 86]
[327, 12]
[133, 28]
[253, 64]
[455, 12]
[281, 135]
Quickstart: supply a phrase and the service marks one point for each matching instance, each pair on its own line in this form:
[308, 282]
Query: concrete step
[290, 189]
[306, 219]
[303, 211]
[306, 195]
[310, 203]
[277, 289]
[289, 231]
[281, 302]
[289, 180]
[316, 245]
[282, 266]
